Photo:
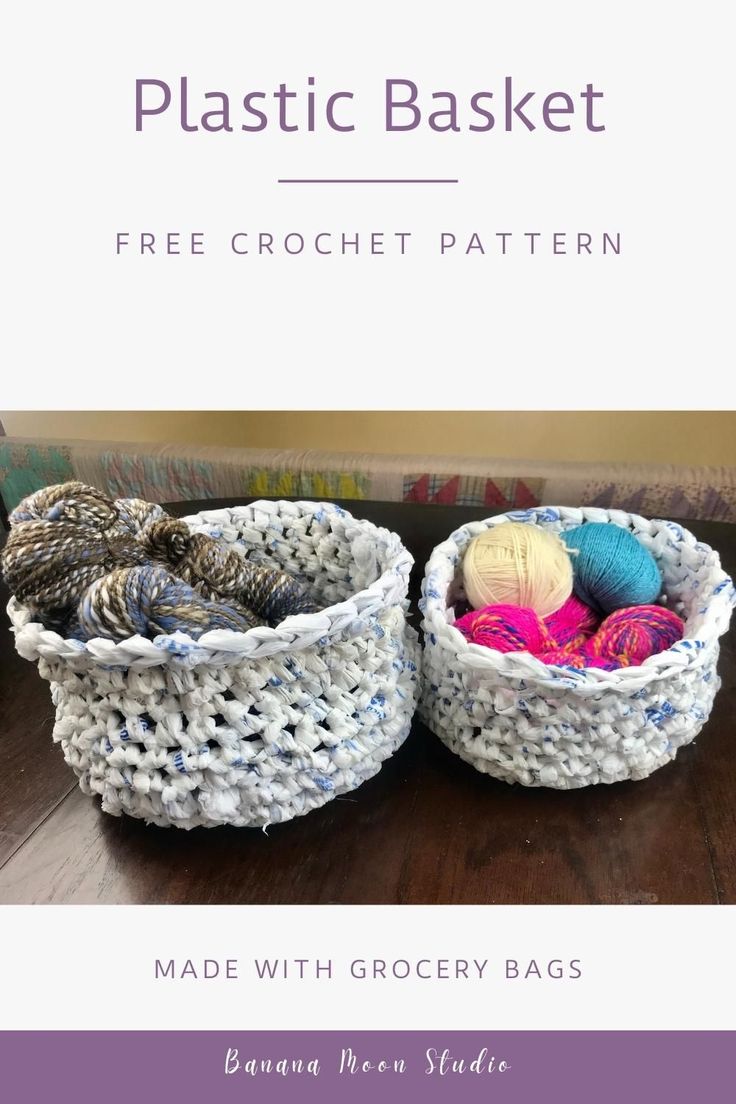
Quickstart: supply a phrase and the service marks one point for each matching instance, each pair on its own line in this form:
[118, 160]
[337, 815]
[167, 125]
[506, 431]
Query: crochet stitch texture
[245, 728]
[513, 717]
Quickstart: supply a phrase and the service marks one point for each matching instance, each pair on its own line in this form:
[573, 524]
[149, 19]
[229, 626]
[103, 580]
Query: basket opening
[681, 575]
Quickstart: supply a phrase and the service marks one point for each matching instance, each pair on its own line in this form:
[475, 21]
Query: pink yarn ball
[571, 636]
[629, 636]
[572, 624]
[505, 628]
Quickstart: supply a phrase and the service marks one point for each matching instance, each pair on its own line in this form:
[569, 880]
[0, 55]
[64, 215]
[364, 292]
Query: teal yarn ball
[611, 569]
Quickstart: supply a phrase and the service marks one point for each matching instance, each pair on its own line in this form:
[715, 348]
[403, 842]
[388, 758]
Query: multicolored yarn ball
[625, 639]
[505, 628]
[611, 568]
[65, 538]
[518, 565]
[629, 636]
[572, 624]
[508, 628]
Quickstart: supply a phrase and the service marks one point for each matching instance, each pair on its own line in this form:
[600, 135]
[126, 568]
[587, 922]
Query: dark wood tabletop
[428, 829]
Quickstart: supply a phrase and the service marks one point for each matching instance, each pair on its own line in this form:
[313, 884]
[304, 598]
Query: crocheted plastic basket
[519, 720]
[246, 728]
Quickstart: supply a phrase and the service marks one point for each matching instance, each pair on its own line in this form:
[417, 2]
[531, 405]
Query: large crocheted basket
[246, 728]
[519, 720]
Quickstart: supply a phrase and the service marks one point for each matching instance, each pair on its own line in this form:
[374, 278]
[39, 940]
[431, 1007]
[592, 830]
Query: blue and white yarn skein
[149, 600]
[611, 568]
[87, 565]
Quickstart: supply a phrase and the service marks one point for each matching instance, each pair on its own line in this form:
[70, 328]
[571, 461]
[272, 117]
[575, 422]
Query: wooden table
[429, 829]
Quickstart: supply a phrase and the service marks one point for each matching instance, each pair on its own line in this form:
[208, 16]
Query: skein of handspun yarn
[572, 624]
[520, 565]
[629, 636]
[625, 639]
[65, 538]
[506, 628]
[149, 600]
[216, 570]
[611, 568]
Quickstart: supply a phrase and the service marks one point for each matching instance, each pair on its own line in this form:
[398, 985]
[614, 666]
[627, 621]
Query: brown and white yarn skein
[90, 565]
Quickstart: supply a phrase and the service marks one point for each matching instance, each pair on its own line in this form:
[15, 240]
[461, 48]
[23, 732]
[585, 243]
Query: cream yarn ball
[518, 565]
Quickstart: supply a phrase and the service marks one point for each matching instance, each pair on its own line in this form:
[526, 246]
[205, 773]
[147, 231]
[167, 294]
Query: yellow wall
[661, 436]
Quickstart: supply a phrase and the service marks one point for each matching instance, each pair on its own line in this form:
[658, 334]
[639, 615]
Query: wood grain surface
[428, 829]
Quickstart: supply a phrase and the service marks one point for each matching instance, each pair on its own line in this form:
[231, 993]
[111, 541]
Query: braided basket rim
[688, 652]
[292, 634]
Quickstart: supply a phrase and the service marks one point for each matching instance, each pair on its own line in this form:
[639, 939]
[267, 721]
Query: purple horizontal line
[369, 180]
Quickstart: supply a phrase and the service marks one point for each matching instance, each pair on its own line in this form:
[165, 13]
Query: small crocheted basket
[246, 728]
[515, 718]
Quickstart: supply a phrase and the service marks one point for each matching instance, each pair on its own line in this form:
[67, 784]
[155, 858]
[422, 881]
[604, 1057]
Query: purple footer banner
[213, 1066]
